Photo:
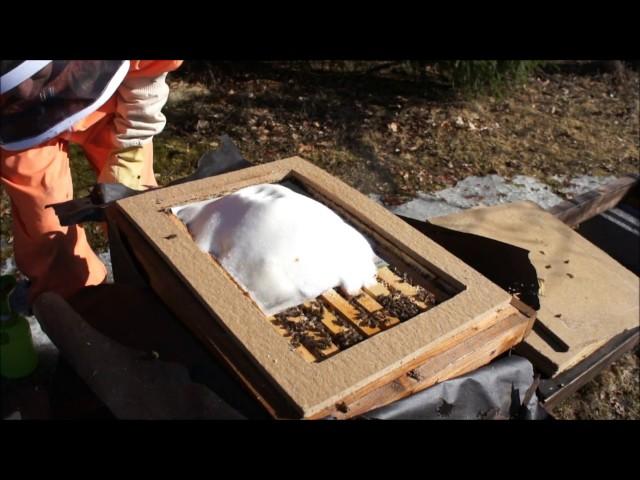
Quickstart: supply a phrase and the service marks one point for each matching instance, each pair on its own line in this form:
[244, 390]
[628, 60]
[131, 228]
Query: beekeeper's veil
[40, 99]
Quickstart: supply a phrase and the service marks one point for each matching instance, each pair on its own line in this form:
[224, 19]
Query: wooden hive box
[455, 319]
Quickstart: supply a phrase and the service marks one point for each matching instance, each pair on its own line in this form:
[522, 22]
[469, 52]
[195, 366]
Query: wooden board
[310, 388]
[470, 354]
[301, 349]
[587, 298]
[388, 386]
[588, 205]
[371, 305]
[555, 390]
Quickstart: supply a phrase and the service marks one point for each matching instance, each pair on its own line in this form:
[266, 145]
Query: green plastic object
[18, 357]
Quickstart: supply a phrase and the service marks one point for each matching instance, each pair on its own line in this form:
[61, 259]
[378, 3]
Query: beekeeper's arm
[140, 99]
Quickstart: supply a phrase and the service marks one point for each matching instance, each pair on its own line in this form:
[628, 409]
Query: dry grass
[613, 395]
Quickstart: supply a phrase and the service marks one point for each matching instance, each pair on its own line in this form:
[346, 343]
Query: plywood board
[587, 298]
[460, 355]
[313, 387]
[462, 358]
[588, 205]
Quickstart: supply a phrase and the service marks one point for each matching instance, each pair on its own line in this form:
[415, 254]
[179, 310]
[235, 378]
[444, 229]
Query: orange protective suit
[56, 258]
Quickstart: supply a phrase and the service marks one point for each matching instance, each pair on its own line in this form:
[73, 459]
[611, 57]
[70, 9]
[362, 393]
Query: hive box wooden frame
[231, 324]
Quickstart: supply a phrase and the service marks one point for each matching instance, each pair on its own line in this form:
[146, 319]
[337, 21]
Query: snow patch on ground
[492, 190]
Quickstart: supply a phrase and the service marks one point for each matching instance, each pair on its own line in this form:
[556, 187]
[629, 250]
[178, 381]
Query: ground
[394, 134]
[613, 394]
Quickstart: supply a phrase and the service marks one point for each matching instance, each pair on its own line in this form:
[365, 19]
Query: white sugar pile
[282, 247]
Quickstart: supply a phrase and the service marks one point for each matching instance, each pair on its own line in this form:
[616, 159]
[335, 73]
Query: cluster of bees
[304, 324]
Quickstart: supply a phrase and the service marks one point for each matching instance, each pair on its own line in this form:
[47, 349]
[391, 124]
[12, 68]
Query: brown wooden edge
[463, 355]
[592, 203]
[468, 355]
[554, 390]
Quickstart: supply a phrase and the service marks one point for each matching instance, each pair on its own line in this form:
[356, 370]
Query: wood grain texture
[401, 286]
[509, 311]
[329, 321]
[468, 355]
[370, 304]
[348, 312]
[592, 203]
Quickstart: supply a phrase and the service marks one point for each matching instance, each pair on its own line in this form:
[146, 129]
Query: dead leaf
[202, 125]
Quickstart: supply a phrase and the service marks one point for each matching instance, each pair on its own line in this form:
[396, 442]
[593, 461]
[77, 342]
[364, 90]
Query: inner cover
[282, 247]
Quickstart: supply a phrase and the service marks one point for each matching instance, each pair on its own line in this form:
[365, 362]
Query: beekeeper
[112, 110]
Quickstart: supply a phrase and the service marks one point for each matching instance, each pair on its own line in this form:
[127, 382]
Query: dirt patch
[393, 136]
[613, 395]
